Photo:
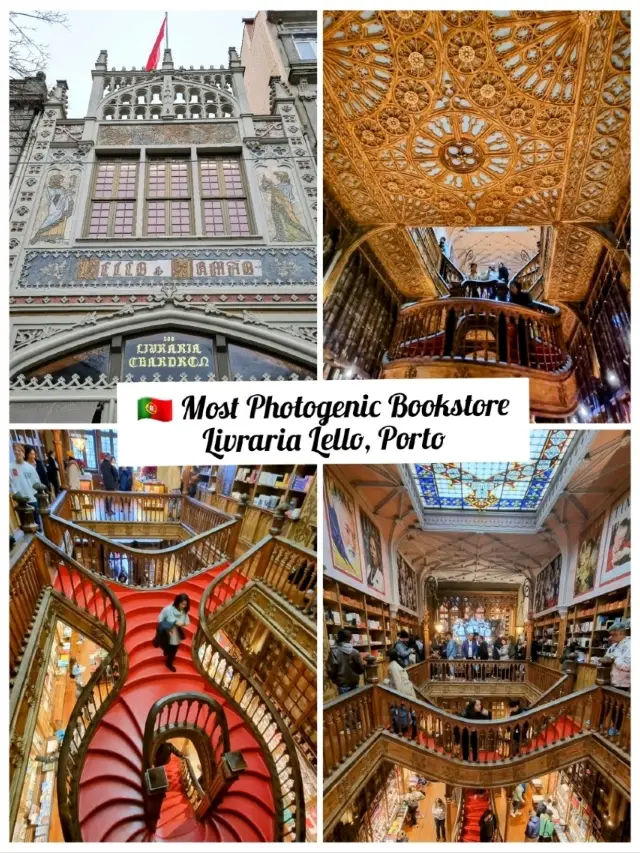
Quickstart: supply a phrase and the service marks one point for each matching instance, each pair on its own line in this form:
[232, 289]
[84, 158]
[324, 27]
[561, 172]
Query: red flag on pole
[154, 56]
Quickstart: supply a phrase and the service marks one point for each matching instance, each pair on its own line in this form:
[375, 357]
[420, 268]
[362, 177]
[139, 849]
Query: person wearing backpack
[344, 665]
[547, 828]
[532, 830]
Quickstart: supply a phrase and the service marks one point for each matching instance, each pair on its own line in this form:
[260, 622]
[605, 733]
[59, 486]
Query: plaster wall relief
[171, 134]
[281, 202]
[54, 216]
[476, 119]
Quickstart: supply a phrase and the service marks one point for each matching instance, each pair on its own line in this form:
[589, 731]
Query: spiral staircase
[246, 785]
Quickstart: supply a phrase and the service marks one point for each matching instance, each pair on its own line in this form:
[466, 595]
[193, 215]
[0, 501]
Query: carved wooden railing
[284, 566]
[443, 272]
[530, 277]
[199, 718]
[350, 720]
[190, 784]
[144, 507]
[459, 669]
[543, 678]
[201, 517]
[249, 700]
[102, 606]
[613, 717]
[137, 566]
[481, 331]
[28, 579]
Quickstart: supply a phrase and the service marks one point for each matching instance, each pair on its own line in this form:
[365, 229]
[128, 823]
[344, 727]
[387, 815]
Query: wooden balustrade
[513, 671]
[137, 566]
[351, 719]
[248, 699]
[543, 678]
[202, 720]
[83, 590]
[28, 578]
[201, 517]
[481, 331]
[613, 713]
[79, 505]
[530, 274]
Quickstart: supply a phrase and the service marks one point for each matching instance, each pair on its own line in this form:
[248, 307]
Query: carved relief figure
[58, 202]
[283, 208]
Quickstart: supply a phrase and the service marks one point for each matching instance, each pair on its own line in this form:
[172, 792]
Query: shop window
[249, 362]
[86, 364]
[168, 197]
[113, 199]
[224, 197]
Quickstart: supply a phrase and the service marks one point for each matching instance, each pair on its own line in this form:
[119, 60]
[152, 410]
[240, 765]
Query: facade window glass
[224, 197]
[247, 362]
[168, 198]
[113, 201]
[307, 48]
[86, 364]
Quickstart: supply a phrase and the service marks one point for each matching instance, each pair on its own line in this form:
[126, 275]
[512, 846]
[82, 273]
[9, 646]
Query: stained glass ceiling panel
[493, 486]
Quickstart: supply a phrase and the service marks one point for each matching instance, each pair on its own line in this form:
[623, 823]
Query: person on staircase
[398, 676]
[170, 631]
[109, 481]
[487, 825]
[403, 649]
[53, 472]
[344, 664]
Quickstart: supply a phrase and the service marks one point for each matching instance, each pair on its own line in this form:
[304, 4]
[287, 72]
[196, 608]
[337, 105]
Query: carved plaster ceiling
[478, 118]
[514, 246]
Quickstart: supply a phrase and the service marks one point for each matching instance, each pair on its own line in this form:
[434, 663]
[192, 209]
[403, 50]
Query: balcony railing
[350, 720]
[480, 331]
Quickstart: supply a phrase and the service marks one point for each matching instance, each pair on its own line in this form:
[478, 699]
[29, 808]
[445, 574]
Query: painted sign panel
[588, 553]
[343, 532]
[372, 553]
[127, 268]
[617, 556]
[165, 357]
[407, 585]
[548, 586]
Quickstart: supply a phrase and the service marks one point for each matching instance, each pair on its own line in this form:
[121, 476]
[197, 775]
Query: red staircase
[111, 806]
[474, 805]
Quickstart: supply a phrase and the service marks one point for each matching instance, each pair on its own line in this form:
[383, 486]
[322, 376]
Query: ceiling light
[349, 372]
[612, 379]
[583, 411]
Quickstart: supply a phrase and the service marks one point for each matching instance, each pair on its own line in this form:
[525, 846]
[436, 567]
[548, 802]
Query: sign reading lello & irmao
[165, 357]
[210, 268]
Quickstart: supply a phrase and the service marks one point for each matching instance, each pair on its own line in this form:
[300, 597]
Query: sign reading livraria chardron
[242, 267]
[434, 420]
[162, 356]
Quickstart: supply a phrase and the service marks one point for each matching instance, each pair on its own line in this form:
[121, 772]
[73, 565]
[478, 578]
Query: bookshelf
[264, 486]
[588, 623]
[547, 632]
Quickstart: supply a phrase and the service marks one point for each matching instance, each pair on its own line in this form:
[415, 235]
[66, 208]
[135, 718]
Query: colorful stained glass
[490, 486]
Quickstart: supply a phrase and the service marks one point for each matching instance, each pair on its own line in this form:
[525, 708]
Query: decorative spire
[101, 61]
[167, 60]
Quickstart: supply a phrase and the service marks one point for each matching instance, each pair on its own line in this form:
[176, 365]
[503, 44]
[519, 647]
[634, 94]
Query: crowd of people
[29, 471]
[345, 666]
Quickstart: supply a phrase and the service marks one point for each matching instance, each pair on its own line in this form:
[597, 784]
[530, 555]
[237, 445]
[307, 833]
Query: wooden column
[508, 813]
[59, 450]
[563, 612]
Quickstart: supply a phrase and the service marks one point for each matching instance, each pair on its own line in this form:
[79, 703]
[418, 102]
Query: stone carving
[171, 134]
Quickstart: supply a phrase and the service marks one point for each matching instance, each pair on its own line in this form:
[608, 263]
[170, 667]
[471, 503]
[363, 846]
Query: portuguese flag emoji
[157, 410]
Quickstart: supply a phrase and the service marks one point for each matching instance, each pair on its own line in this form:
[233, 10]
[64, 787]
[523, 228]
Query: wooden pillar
[563, 612]
[59, 450]
[507, 814]
[529, 637]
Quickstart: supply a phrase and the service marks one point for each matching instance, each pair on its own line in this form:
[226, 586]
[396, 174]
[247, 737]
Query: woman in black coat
[473, 711]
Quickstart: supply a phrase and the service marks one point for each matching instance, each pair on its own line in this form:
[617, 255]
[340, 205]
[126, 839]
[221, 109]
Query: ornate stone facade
[229, 255]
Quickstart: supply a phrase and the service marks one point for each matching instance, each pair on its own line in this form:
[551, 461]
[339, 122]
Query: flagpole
[166, 30]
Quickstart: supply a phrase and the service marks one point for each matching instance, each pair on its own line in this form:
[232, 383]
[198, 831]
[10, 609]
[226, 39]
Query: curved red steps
[474, 806]
[111, 806]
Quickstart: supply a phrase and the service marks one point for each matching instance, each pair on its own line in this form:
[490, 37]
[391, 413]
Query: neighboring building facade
[26, 102]
[169, 235]
[284, 45]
